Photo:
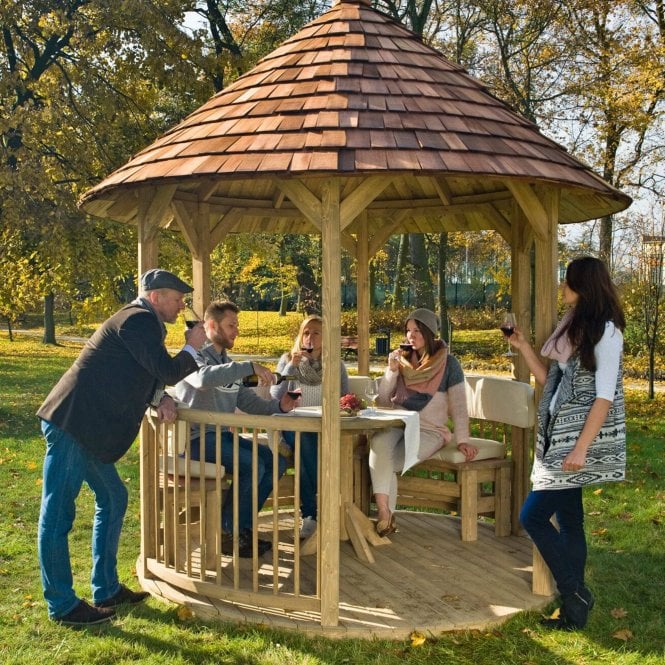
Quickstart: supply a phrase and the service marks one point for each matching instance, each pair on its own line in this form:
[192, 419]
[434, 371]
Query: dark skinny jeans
[564, 550]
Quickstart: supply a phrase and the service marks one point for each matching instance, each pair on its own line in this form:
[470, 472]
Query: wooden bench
[349, 345]
[482, 487]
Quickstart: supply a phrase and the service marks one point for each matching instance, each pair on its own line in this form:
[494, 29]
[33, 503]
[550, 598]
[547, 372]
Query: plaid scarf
[419, 379]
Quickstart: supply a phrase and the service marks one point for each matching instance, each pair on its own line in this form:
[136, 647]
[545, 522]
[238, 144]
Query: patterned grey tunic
[558, 431]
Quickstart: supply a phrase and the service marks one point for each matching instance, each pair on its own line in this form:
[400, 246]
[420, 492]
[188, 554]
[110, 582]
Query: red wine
[406, 347]
[307, 349]
[190, 324]
[295, 393]
[507, 330]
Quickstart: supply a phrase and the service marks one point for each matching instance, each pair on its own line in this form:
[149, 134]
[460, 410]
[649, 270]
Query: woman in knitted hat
[425, 379]
[304, 362]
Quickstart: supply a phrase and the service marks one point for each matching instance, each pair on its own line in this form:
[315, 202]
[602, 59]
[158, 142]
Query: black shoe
[245, 549]
[125, 595]
[574, 612]
[86, 615]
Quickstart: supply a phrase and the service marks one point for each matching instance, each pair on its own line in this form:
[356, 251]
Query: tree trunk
[442, 279]
[605, 249]
[422, 278]
[49, 319]
[398, 291]
[9, 329]
[282, 303]
[652, 371]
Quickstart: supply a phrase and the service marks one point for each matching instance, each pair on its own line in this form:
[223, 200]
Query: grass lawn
[626, 566]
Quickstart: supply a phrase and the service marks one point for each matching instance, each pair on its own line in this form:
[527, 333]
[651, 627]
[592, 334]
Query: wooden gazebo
[355, 130]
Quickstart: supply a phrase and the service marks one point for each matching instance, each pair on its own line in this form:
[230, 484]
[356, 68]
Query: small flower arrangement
[350, 404]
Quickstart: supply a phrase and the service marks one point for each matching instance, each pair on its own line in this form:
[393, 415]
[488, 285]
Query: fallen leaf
[599, 532]
[417, 639]
[31, 466]
[555, 614]
[598, 491]
[623, 634]
[184, 613]
[618, 613]
[595, 512]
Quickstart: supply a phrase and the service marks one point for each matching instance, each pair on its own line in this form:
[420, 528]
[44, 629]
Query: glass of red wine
[406, 348]
[507, 327]
[293, 390]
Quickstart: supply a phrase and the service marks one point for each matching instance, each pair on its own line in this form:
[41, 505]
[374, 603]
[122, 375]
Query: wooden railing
[181, 535]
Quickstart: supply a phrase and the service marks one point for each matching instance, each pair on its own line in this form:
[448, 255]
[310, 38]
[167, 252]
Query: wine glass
[293, 389]
[371, 392]
[190, 317]
[507, 327]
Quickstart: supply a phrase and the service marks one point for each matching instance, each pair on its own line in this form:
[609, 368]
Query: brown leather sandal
[386, 527]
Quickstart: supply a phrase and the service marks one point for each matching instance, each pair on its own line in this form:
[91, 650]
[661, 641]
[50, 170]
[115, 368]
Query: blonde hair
[297, 344]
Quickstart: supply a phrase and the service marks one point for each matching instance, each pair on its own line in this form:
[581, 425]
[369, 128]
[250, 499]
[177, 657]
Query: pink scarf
[559, 349]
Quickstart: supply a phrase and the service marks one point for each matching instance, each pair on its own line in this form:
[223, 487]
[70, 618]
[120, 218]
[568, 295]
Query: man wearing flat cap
[89, 420]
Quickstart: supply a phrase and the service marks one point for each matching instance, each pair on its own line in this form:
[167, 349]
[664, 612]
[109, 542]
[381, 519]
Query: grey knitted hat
[427, 318]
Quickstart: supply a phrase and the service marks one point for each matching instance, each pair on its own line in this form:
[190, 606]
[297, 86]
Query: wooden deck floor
[427, 579]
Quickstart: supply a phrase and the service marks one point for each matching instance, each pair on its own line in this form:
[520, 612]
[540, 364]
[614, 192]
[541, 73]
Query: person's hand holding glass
[507, 327]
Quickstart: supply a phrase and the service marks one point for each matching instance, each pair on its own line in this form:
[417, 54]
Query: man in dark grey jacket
[89, 421]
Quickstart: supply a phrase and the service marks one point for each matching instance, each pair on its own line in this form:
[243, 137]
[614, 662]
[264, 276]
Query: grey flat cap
[163, 279]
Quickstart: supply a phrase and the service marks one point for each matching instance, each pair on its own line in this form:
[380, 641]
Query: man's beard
[222, 340]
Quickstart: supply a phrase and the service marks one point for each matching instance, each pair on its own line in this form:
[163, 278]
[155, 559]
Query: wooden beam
[531, 206]
[499, 221]
[148, 231]
[363, 295]
[184, 213]
[349, 243]
[358, 200]
[442, 189]
[303, 199]
[329, 503]
[224, 225]
[206, 189]
[201, 260]
[379, 239]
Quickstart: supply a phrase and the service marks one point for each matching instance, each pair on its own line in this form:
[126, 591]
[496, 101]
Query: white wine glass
[371, 392]
[507, 327]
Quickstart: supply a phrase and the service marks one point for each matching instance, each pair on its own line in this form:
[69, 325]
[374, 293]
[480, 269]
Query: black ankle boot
[575, 608]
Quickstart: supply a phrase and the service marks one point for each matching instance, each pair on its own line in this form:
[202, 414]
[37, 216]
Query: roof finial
[367, 3]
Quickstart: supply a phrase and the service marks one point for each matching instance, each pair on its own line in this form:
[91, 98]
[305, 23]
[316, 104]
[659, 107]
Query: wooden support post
[546, 284]
[329, 501]
[521, 243]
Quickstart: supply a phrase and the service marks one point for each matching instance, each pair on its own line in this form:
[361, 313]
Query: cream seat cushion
[487, 449]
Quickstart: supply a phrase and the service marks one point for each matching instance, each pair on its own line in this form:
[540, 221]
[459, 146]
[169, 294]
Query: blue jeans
[66, 466]
[309, 469]
[564, 550]
[264, 475]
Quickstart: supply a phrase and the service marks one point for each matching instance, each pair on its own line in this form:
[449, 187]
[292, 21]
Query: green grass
[626, 566]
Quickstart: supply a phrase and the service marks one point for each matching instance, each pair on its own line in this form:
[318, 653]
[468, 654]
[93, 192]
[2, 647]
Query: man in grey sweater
[217, 386]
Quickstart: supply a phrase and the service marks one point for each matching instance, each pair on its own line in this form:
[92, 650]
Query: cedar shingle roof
[356, 94]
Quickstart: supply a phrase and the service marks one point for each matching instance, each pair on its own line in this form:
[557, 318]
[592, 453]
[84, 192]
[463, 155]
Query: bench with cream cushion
[480, 487]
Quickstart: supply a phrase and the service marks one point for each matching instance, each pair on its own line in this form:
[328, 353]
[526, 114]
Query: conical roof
[355, 93]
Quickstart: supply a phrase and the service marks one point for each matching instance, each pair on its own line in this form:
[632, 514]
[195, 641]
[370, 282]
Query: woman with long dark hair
[581, 427]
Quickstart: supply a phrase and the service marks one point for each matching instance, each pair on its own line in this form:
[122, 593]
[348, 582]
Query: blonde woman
[304, 362]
